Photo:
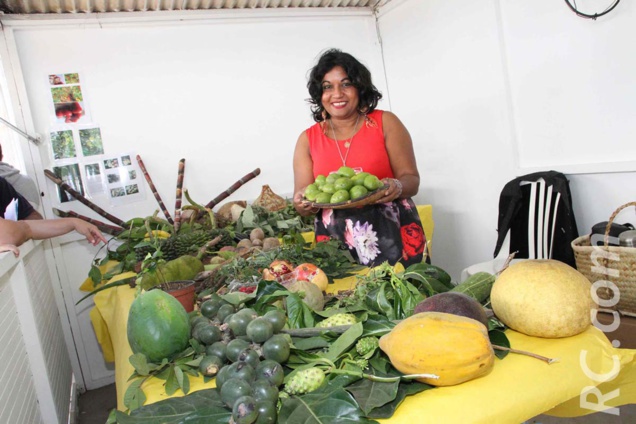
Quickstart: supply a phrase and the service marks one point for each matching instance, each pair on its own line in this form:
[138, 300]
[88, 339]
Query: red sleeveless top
[367, 151]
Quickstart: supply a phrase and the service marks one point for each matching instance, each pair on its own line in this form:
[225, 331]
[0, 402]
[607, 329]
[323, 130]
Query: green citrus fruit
[331, 178]
[311, 195]
[346, 171]
[311, 188]
[340, 196]
[320, 180]
[371, 182]
[343, 183]
[358, 179]
[323, 198]
[358, 191]
[329, 188]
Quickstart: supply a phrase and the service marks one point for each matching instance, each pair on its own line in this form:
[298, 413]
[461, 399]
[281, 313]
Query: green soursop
[305, 381]
[338, 319]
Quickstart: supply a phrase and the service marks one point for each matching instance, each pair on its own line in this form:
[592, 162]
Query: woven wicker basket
[611, 268]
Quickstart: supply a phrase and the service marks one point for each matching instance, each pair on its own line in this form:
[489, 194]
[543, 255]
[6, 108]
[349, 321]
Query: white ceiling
[103, 6]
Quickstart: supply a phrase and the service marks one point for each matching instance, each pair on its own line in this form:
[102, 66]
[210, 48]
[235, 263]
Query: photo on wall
[70, 174]
[68, 99]
[93, 178]
[91, 142]
[63, 145]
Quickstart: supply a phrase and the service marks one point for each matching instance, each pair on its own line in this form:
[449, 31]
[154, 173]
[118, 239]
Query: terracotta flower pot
[183, 291]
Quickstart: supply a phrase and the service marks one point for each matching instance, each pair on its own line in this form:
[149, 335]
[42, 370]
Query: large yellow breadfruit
[455, 348]
[543, 298]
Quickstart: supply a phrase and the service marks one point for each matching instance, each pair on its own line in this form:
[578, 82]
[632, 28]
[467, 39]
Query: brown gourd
[455, 348]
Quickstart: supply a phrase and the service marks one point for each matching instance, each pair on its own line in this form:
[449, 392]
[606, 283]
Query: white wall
[495, 89]
[445, 75]
[226, 91]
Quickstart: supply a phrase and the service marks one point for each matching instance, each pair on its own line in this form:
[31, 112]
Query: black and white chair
[535, 220]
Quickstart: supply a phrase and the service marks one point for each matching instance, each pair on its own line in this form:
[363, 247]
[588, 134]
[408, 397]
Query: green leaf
[372, 394]
[330, 407]
[95, 274]
[310, 343]
[171, 382]
[139, 363]
[377, 326]
[499, 338]
[344, 342]
[183, 380]
[134, 397]
[299, 315]
[203, 406]
[404, 389]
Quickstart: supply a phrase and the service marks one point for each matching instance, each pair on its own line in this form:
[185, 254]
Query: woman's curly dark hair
[356, 71]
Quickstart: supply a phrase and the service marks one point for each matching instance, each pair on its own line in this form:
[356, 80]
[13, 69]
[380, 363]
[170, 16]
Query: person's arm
[303, 175]
[18, 232]
[399, 146]
[34, 215]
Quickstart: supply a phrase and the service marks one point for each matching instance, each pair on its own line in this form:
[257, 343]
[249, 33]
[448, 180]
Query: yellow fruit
[455, 348]
[543, 298]
[158, 234]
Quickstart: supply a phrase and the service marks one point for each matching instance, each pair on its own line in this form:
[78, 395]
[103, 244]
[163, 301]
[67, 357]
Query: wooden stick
[177, 205]
[70, 190]
[154, 190]
[106, 228]
[212, 203]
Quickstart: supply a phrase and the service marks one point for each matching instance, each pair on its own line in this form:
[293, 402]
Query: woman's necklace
[347, 144]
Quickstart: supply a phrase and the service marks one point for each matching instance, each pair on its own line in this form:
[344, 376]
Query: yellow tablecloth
[517, 389]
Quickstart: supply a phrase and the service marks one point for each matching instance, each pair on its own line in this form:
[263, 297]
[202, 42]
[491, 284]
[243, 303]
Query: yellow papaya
[455, 348]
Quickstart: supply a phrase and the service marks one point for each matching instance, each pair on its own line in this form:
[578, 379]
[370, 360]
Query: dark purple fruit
[453, 303]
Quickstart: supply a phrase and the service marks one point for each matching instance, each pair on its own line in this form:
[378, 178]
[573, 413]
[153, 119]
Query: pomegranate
[310, 272]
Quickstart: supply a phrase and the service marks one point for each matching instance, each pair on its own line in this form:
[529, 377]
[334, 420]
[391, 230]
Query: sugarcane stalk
[154, 189]
[177, 205]
[70, 190]
[103, 227]
[233, 188]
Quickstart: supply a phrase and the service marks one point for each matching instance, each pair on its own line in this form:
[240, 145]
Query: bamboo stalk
[70, 190]
[212, 203]
[106, 228]
[154, 189]
[177, 205]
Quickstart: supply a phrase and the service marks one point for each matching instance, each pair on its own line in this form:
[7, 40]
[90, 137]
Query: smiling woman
[351, 133]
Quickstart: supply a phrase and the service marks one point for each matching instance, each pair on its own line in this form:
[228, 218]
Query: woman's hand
[394, 190]
[88, 230]
[302, 205]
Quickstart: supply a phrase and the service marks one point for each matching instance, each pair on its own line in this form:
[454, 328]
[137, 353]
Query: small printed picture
[69, 111]
[111, 163]
[125, 160]
[67, 94]
[70, 174]
[56, 79]
[72, 78]
[63, 145]
[92, 170]
[91, 142]
[132, 189]
[132, 174]
[117, 192]
[113, 178]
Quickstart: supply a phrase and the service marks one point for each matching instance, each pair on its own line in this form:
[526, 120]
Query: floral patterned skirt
[376, 233]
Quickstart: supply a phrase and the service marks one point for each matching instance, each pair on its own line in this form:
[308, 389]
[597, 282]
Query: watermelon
[158, 326]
